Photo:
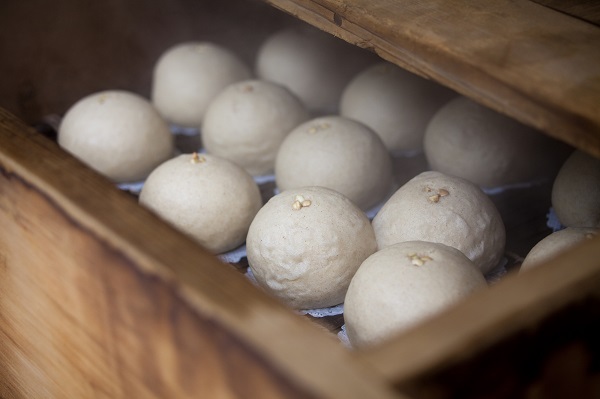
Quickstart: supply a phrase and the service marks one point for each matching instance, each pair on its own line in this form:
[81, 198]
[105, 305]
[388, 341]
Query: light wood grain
[520, 58]
[99, 298]
[532, 335]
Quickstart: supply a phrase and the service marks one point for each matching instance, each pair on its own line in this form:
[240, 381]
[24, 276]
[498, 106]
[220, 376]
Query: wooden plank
[99, 298]
[587, 10]
[531, 335]
[520, 58]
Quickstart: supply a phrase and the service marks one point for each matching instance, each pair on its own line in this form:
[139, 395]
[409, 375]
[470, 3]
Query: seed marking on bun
[319, 127]
[436, 197]
[300, 202]
[197, 159]
[418, 260]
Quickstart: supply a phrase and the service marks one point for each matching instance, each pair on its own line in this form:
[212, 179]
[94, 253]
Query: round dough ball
[189, 75]
[247, 122]
[402, 285]
[468, 140]
[576, 191]
[395, 103]
[118, 134]
[305, 245]
[337, 153]
[314, 65]
[210, 198]
[445, 209]
[556, 243]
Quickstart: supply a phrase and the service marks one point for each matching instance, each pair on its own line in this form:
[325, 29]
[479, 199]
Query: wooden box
[99, 298]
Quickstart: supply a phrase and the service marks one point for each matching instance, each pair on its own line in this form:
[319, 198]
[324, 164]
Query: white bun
[314, 65]
[338, 153]
[404, 284]
[556, 243]
[117, 133]
[247, 122]
[445, 209]
[468, 140]
[576, 191]
[210, 198]
[306, 254]
[188, 76]
[395, 103]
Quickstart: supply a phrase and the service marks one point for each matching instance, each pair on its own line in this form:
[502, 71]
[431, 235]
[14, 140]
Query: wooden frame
[100, 298]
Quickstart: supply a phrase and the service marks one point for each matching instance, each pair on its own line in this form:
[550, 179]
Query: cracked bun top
[445, 209]
[305, 244]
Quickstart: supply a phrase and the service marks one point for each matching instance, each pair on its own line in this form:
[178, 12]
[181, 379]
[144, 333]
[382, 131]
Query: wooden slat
[587, 10]
[99, 298]
[520, 58]
[531, 335]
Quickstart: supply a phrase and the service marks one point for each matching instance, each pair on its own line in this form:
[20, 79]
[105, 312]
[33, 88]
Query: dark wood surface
[587, 10]
[56, 52]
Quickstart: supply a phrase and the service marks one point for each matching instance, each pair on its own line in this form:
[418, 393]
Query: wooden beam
[520, 58]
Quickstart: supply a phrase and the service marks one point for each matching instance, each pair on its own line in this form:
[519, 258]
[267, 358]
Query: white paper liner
[233, 256]
[343, 337]
[324, 312]
[496, 274]
[264, 179]
[515, 186]
[135, 188]
[552, 221]
[184, 131]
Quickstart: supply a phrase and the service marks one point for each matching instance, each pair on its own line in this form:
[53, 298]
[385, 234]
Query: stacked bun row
[382, 177]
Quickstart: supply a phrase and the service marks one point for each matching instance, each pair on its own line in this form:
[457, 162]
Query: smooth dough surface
[576, 191]
[556, 243]
[189, 75]
[314, 65]
[210, 198]
[306, 255]
[395, 103]
[247, 122]
[468, 140]
[440, 208]
[337, 153]
[117, 133]
[404, 284]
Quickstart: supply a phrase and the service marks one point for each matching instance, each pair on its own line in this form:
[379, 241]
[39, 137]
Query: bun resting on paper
[556, 243]
[576, 191]
[117, 133]
[247, 122]
[188, 75]
[314, 65]
[395, 103]
[211, 199]
[305, 245]
[404, 284]
[338, 153]
[445, 209]
[468, 140]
